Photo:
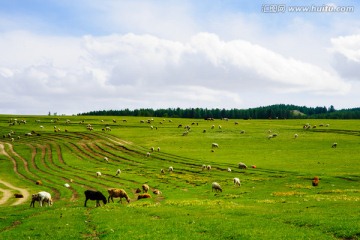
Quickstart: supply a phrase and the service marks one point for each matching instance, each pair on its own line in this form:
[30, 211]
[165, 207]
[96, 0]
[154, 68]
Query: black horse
[94, 195]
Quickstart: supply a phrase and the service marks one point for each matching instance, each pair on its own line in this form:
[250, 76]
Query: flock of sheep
[45, 197]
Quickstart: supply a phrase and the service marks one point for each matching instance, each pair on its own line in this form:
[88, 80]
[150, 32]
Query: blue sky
[77, 56]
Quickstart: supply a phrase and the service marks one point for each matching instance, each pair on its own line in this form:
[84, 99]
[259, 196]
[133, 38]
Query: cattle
[94, 195]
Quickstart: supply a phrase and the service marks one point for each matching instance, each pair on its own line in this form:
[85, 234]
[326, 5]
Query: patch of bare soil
[8, 194]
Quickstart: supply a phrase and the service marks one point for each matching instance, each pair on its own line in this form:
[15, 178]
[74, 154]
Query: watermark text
[283, 8]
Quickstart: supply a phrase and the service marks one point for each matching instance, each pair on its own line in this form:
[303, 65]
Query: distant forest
[278, 111]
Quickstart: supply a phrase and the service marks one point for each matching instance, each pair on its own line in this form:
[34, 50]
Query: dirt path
[7, 194]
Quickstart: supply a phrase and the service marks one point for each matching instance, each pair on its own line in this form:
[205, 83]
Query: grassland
[276, 199]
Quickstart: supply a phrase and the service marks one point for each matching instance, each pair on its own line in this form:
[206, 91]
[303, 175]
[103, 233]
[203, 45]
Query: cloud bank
[133, 71]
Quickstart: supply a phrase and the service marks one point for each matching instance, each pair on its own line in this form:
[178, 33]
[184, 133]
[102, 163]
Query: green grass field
[276, 200]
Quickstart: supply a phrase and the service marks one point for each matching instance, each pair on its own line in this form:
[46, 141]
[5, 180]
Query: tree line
[277, 111]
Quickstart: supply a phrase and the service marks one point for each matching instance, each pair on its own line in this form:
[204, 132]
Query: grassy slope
[276, 200]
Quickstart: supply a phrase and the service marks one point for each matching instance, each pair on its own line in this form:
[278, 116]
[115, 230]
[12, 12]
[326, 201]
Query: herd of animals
[45, 197]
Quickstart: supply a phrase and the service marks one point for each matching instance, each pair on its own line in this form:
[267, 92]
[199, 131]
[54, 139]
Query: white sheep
[158, 149]
[67, 185]
[237, 182]
[171, 169]
[98, 174]
[41, 197]
[215, 186]
[118, 172]
[208, 167]
[296, 135]
[203, 167]
[242, 165]
[334, 145]
[152, 149]
[215, 145]
[106, 159]
[229, 169]
[148, 154]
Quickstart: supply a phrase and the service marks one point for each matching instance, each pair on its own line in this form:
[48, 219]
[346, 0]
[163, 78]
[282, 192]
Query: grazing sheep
[315, 181]
[98, 174]
[237, 182]
[203, 167]
[242, 165]
[216, 187]
[204, 131]
[158, 149]
[18, 195]
[334, 145]
[41, 197]
[12, 139]
[38, 182]
[242, 131]
[145, 188]
[229, 169]
[106, 159]
[152, 149]
[157, 192]
[117, 193]
[208, 167]
[162, 171]
[295, 136]
[118, 172]
[94, 195]
[67, 185]
[215, 145]
[171, 169]
[138, 190]
[145, 195]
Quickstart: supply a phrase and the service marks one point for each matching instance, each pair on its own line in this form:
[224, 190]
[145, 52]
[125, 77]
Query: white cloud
[346, 52]
[135, 71]
[348, 46]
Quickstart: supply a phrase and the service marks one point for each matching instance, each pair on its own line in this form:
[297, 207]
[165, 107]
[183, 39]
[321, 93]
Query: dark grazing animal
[18, 195]
[94, 195]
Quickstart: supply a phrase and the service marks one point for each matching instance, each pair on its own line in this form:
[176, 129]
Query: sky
[70, 57]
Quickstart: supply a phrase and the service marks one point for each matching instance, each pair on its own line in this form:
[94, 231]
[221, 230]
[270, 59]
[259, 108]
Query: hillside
[276, 198]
